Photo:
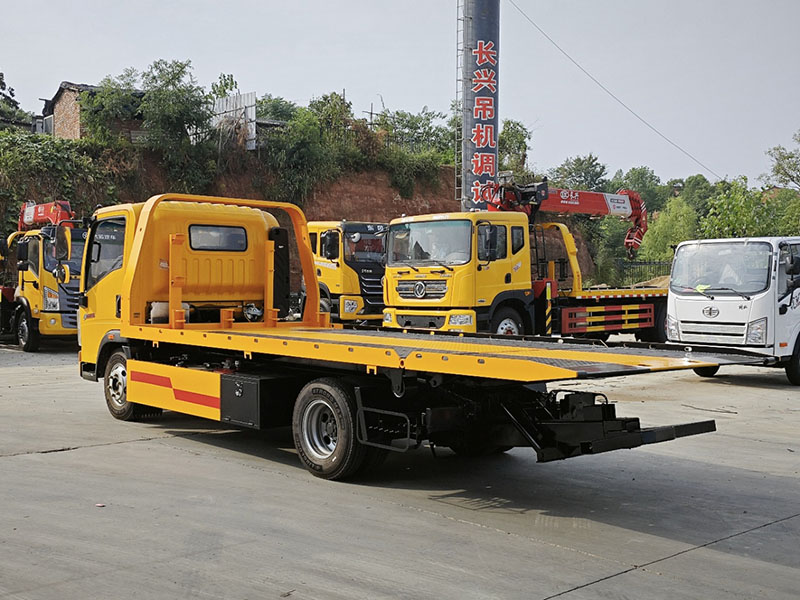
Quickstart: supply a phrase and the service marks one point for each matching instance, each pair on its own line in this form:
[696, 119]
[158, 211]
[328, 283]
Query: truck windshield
[76, 252]
[446, 242]
[724, 268]
[364, 243]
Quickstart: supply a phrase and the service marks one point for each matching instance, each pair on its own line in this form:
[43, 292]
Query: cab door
[787, 309]
[104, 260]
[494, 271]
[30, 285]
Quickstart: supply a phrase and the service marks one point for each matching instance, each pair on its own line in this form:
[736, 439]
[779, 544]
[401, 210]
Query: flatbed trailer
[183, 338]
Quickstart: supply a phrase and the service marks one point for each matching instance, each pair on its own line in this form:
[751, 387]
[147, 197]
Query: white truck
[741, 292]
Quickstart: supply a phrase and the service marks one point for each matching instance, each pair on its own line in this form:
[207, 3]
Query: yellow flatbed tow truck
[184, 307]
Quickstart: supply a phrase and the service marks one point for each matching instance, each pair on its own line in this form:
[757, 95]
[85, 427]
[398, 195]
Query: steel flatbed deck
[519, 359]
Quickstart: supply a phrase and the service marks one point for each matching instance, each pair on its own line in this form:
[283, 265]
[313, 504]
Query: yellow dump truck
[348, 256]
[182, 308]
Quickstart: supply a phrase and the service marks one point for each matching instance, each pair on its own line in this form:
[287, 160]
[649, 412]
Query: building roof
[75, 87]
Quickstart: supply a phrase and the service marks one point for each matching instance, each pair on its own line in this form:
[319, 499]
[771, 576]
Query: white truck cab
[738, 292]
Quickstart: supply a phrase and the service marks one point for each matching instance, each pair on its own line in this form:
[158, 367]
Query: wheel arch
[520, 302]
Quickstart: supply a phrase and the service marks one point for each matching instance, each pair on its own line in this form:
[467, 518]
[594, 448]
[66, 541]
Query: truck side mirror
[61, 274]
[329, 244]
[63, 243]
[792, 265]
[487, 242]
[3, 251]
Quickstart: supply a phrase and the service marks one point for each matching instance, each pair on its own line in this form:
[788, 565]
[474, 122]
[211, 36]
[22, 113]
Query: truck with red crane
[489, 271]
[33, 303]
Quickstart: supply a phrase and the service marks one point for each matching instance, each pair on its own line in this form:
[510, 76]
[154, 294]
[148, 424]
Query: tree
[115, 100]
[9, 105]
[333, 111]
[675, 224]
[644, 181]
[580, 173]
[173, 104]
[275, 107]
[738, 211]
[696, 192]
[785, 169]
[512, 146]
[224, 86]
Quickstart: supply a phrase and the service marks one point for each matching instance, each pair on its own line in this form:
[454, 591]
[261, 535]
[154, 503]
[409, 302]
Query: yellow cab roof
[512, 218]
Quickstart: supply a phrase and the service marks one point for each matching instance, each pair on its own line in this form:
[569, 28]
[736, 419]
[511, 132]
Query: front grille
[432, 289]
[421, 321]
[370, 285]
[69, 305]
[713, 333]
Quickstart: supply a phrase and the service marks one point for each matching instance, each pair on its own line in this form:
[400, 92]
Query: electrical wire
[610, 93]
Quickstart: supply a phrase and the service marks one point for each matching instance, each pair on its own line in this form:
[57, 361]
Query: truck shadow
[638, 491]
[775, 379]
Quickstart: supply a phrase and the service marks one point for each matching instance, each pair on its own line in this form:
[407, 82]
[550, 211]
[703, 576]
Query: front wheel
[706, 371]
[793, 368]
[507, 321]
[324, 429]
[27, 332]
[115, 386]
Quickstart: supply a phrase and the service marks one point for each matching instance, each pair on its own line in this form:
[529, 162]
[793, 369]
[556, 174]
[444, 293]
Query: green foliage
[224, 86]
[512, 146]
[275, 107]
[696, 192]
[787, 203]
[580, 173]
[738, 211]
[785, 169]
[174, 105]
[333, 111]
[421, 131]
[644, 181]
[44, 168]
[675, 224]
[115, 100]
[9, 106]
[405, 168]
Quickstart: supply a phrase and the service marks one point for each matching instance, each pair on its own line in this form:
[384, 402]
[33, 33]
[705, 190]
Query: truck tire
[324, 429]
[115, 387]
[793, 367]
[325, 304]
[657, 333]
[706, 371]
[507, 321]
[27, 332]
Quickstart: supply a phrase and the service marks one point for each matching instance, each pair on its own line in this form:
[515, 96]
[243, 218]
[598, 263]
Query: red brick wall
[67, 116]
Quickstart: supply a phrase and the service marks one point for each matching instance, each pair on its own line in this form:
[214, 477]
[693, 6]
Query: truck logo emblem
[419, 289]
[711, 311]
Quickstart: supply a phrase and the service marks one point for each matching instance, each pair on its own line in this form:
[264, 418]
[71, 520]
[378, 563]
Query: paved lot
[192, 510]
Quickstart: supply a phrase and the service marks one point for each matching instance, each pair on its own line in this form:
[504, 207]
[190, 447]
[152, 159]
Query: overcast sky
[718, 77]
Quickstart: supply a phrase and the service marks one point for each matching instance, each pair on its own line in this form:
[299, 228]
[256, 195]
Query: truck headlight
[387, 317]
[50, 299]
[756, 332]
[350, 306]
[673, 330]
[460, 320]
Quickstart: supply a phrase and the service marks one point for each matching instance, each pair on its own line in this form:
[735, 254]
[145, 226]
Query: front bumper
[458, 320]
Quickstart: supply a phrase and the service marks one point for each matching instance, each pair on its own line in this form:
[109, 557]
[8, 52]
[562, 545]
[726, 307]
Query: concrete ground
[93, 508]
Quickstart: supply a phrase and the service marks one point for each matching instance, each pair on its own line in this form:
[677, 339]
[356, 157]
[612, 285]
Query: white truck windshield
[721, 268]
[445, 242]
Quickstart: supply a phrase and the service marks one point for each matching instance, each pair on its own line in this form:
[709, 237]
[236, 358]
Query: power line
[610, 93]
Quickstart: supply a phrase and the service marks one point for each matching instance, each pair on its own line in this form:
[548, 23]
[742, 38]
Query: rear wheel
[707, 371]
[115, 386]
[507, 321]
[27, 332]
[324, 430]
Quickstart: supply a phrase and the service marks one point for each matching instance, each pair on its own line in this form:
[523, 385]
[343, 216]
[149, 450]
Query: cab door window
[33, 256]
[106, 249]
